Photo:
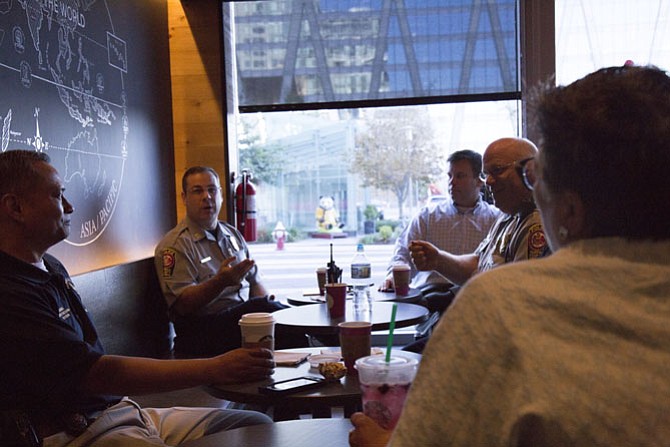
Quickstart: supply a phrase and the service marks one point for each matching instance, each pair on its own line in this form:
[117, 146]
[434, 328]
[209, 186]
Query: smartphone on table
[292, 385]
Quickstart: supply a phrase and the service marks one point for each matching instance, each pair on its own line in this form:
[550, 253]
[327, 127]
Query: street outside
[291, 270]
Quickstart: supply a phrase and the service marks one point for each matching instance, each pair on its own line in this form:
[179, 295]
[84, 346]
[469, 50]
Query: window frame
[536, 60]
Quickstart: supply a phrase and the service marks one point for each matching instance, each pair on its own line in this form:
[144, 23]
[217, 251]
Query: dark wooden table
[314, 320]
[303, 432]
[345, 393]
[413, 296]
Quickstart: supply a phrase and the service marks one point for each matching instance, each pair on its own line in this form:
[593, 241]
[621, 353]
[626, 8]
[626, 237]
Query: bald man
[517, 234]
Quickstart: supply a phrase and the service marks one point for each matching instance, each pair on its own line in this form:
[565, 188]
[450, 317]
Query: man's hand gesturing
[232, 275]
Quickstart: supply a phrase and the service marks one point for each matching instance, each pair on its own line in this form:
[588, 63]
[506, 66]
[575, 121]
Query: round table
[345, 392]
[413, 296]
[308, 432]
[314, 320]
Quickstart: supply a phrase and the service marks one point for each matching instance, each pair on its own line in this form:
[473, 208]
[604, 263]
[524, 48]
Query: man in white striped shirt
[457, 225]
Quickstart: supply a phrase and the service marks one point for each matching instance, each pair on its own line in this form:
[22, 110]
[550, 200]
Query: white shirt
[458, 231]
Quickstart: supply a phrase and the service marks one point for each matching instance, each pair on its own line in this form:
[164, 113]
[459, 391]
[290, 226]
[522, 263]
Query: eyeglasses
[212, 191]
[497, 171]
[528, 172]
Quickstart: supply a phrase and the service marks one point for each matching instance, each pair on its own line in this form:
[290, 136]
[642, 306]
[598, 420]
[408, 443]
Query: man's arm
[196, 296]
[257, 289]
[456, 268]
[121, 375]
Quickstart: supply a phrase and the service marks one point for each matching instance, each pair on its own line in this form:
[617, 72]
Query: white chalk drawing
[63, 80]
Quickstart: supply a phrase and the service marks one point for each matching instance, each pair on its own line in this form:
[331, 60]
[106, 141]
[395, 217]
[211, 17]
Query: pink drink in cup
[385, 386]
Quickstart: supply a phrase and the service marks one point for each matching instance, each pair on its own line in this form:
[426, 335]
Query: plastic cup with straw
[385, 382]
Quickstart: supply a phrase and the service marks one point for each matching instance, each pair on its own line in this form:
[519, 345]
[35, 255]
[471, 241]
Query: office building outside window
[363, 101]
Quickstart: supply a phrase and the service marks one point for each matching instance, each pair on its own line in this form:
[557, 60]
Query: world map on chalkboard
[62, 70]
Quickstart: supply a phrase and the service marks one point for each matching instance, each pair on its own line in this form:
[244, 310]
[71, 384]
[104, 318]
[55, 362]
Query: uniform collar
[526, 209]
[198, 233]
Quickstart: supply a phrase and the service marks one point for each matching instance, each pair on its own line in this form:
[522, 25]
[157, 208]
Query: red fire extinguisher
[245, 207]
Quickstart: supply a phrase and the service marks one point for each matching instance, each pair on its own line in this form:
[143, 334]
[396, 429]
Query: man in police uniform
[57, 384]
[207, 276]
[516, 235]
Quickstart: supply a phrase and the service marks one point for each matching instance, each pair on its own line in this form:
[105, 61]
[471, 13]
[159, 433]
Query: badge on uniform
[168, 262]
[537, 243]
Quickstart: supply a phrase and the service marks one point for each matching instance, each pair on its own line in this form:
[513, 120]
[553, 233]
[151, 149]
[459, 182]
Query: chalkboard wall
[88, 82]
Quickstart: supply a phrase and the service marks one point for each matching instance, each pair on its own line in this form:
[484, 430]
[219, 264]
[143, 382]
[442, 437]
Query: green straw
[389, 342]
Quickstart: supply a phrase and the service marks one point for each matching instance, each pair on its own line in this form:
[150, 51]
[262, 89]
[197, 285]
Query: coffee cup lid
[257, 318]
[379, 362]
[354, 324]
[401, 267]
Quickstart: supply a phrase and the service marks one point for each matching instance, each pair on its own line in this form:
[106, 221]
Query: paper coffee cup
[321, 279]
[258, 330]
[336, 295]
[355, 341]
[401, 278]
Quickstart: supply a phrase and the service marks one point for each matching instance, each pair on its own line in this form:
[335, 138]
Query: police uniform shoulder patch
[168, 262]
[537, 243]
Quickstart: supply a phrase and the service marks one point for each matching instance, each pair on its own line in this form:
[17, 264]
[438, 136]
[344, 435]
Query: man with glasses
[207, 275]
[517, 234]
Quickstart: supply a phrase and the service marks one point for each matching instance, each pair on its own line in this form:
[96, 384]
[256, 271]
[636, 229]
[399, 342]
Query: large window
[311, 83]
[363, 100]
[591, 34]
[307, 51]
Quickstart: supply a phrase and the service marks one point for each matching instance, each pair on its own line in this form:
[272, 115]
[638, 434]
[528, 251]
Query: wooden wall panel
[197, 104]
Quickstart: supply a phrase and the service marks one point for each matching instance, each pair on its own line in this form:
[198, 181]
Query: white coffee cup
[258, 330]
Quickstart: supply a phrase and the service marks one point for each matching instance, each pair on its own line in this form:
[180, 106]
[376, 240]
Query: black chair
[436, 298]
